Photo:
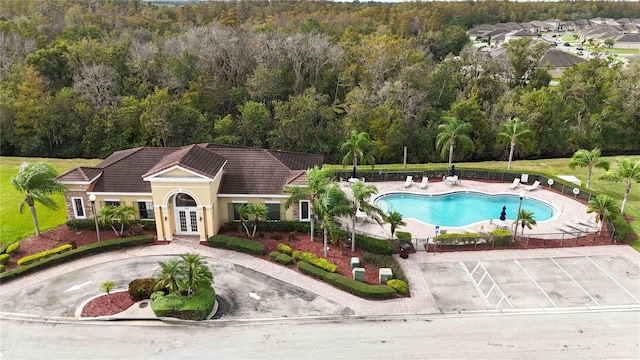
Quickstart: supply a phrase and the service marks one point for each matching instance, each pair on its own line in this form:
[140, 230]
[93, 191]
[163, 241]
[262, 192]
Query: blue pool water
[460, 208]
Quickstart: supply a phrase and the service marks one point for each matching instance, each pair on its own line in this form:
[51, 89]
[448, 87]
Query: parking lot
[552, 282]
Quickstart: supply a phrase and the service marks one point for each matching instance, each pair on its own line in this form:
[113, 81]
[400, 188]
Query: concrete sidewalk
[420, 302]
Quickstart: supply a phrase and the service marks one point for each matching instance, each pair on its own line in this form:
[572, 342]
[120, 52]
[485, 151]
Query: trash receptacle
[404, 250]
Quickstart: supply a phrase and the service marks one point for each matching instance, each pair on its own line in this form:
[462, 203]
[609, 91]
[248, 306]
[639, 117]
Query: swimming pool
[460, 208]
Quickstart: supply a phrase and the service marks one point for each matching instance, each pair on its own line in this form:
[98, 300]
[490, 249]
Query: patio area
[568, 211]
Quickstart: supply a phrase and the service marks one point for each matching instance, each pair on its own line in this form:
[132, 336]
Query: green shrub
[268, 226]
[43, 254]
[89, 224]
[140, 289]
[403, 235]
[4, 258]
[196, 306]
[500, 237]
[4, 247]
[347, 284]
[375, 246]
[284, 248]
[280, 258]
[237, 244]
[623, 229]
[13, 247]
[94, 248]
[318, 261]
[1, 268]
[296, 254]
[399, 285]
[385, 261]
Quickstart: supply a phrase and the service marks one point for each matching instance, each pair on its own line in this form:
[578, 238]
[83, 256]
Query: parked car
[567, 44]
[579, 48]
[580, 53]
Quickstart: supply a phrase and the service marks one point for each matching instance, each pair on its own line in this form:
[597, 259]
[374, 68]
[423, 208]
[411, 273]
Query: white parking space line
[614, 280]
[544, 292]
[574, 280]
[477, 284]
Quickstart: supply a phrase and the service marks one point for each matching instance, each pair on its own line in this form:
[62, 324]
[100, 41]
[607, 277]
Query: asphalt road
[571, 335]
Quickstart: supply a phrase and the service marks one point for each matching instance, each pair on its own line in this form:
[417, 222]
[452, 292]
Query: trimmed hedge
[313, 259]
[303, 227]
[4, 247]
[500, 237]
[237, 244]
[1, 268]
[399, 285]
[43, 254]
[284, 248]
[140, 289]
[347, 284]
[381, 247]
[13, 247]
[4, 258]
[196, 306]
[281, 258]
[403, 235]
[385, 261]
[623, 228]
[89, 224]
[90, 249]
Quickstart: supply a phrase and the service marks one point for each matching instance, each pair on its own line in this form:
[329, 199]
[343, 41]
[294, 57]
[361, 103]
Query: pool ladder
[484, 274]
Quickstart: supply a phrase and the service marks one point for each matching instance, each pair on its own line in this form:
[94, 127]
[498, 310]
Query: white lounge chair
[408, 182]
[535, 185]
[515, 183]
[424, 183]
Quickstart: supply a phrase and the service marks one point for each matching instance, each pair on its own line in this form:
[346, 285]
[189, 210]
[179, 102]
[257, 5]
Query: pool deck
[567, 210]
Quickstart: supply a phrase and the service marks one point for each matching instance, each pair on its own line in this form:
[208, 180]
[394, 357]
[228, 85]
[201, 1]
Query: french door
[187, 221]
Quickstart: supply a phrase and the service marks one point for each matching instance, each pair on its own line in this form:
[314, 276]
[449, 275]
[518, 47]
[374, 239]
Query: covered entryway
[186, 215]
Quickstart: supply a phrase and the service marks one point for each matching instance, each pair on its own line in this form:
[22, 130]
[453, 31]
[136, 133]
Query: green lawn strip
[16, 225]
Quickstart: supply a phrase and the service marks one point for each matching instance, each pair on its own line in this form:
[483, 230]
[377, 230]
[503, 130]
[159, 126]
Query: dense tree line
[86, 78]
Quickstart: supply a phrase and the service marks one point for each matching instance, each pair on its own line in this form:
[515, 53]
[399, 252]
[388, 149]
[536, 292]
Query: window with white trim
[274, 211]
[78, 208]
[112, 203]
[145, 208]
[236, 213]
[305, 210]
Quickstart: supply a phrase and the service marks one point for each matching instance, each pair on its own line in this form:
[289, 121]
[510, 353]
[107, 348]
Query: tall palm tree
[196, 273]
[357, 147]
[169, 275]
[627, 171]
[453, 132]
[526, 220]
[258, 211]
[605, 208]
[37, 182]
[332, 203]
[317, 180]
[394, 219]
[588, 159]
[361, 194]
[516, 132]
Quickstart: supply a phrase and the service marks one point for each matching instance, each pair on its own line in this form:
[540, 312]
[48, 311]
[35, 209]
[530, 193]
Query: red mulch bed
[101, 306]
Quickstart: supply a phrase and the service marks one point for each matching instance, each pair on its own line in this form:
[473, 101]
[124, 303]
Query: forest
[87, 78]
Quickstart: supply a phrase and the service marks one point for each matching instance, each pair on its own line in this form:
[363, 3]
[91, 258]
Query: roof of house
[244, 170]
[559, 59]
[632, 38]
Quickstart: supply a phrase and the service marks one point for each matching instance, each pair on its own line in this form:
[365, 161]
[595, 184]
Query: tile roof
[559, 59]
[194, 158]
[80, 174]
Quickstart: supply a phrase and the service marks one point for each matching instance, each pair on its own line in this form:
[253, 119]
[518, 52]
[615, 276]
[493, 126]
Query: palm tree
[516, 132]
[258, 211]
[112, 215]
[37, 182]
[627, 171]
[588, 159]
[196, 273]
[169, 275]
[107, 286]
[526, 219]
[451, 133]
[361, 195]
[357, 148]
[394, 219]
[332, 202]
[605, 208]
[317, 180]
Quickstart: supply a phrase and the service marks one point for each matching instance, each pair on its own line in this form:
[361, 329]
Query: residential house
[627, 41]
[191, 190]
[557, 61]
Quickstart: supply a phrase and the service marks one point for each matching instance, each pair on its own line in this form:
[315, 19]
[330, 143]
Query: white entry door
[187, 219]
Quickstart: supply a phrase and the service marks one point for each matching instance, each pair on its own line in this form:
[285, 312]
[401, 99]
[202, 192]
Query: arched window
[184, 200]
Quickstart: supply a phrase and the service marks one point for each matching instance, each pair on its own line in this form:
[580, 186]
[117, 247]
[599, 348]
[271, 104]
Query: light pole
[92, 198]
[518, 214]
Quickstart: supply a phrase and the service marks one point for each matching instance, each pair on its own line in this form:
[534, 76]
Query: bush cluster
[1, 268]
[140, 289]
[500, 237]
[385, 261]
[284, 248]
[43, 254]
[89, 224]
[4, 258]
[622, 229]
[196, 306]
[4, 247]
[403, 235]
[12, 247]
[399, 285]
[315, 260]
[237, 244]
[376, 246]
[267, 226]
[90, 249]
[347, 284]
[280, 258]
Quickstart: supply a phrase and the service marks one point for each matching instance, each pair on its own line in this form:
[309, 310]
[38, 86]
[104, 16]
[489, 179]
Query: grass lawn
[16, 225]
